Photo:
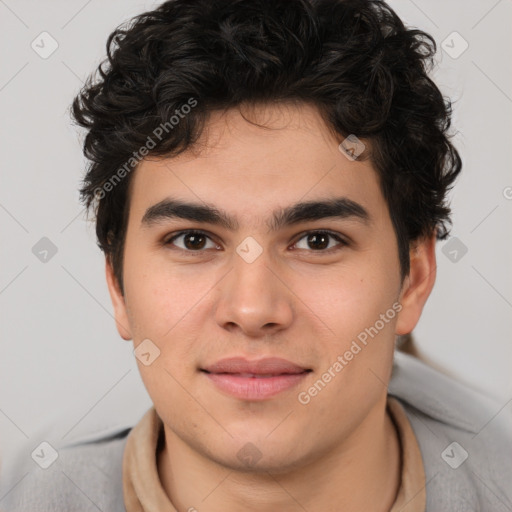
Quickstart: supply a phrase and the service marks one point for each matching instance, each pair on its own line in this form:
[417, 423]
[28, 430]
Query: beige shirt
[143, 491]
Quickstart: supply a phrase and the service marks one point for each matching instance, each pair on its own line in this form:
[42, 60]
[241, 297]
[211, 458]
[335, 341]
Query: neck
[361, 474]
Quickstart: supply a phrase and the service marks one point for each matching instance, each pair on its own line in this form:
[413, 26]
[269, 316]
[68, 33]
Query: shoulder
[84, 475]
[465, 438]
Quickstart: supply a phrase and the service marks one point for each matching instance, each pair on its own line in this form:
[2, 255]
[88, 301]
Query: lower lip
[254, 388]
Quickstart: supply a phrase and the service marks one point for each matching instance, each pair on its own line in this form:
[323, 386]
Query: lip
[265, 366]
[254, 380]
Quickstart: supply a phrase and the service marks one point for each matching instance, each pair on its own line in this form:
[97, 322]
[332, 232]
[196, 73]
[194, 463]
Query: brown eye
[191, 241]
[320, 241]
[194, 241]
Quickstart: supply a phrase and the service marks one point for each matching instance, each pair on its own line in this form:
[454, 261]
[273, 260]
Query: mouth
[254, 380]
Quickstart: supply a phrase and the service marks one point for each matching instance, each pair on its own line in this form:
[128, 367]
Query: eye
[193, 241]
[319, 241]
[315, 241]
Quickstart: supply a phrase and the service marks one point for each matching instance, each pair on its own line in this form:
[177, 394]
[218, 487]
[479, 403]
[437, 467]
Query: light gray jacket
[465, 440]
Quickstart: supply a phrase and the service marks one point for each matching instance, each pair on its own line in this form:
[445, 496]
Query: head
[226, 117]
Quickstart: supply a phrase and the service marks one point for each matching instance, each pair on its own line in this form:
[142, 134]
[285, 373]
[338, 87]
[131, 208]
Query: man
[269, 180]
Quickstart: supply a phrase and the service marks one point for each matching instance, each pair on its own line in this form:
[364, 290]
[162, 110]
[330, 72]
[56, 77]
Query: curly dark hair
[354, 60]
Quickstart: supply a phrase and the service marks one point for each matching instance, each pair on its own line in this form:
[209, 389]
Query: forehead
[251, 159]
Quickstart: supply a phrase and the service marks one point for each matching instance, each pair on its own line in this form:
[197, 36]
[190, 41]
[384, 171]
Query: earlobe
[417, 285]
[118, 302]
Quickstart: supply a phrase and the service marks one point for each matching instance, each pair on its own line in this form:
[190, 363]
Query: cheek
[360, 309]
[349, 299]
[164, 307]
[160, 298]
[168, 387]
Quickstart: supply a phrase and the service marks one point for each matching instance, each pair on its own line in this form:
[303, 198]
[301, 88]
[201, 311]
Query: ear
[418, 284]
[120, 314]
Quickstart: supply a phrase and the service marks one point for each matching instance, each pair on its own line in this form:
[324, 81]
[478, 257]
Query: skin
[338, 452]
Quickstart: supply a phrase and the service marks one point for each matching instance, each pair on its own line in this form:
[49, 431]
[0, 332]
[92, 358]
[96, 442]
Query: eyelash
[342, 242]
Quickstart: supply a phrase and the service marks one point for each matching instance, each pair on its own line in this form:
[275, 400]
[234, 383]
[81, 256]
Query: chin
[253, 454]
[261, 464]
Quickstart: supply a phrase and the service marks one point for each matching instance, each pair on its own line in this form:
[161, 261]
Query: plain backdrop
[62, 361]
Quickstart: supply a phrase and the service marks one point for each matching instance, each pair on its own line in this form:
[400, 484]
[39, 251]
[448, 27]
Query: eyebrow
[339, 208]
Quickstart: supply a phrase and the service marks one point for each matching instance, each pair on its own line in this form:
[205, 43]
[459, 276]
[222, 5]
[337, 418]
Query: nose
[254, 298]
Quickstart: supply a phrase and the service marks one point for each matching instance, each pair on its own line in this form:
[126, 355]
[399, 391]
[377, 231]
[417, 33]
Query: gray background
[65, 371]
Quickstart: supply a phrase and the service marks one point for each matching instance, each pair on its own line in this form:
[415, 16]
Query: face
[319, 288]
